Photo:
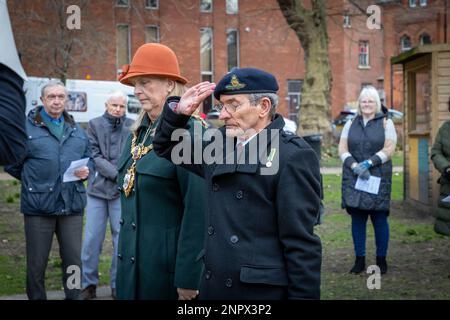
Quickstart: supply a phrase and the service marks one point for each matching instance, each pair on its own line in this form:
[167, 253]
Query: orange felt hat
[152, 59]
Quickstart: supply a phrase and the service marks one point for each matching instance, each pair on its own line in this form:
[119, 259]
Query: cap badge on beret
[235, 84]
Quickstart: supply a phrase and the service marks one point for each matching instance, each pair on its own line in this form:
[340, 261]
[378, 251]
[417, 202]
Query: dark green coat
[440, 155]
[161, 228]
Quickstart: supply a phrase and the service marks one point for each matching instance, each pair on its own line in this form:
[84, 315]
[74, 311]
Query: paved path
[5, 176]
[338, 170]
[103, 293]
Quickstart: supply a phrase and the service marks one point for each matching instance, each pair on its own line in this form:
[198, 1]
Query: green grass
[330, 158]
[12, 247]
[418, 257]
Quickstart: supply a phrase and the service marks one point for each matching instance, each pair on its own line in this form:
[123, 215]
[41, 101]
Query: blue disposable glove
[362, 170]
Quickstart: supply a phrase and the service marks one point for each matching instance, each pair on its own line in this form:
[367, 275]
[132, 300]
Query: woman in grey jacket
[366, 146]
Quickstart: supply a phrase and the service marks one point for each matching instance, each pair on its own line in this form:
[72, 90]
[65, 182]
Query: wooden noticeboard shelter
[426, 78]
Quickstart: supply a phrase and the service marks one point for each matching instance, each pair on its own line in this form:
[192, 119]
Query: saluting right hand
[192, 98]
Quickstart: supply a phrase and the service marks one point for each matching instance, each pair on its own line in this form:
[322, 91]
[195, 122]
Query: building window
[423, 3]
[151, 34]
[151, 4]
[425, 39]
[294, 97]
[233, 48]
[364, 54]
[412, 3]
[122, 3]
[232, 6]
[206, 5]
[122, 45]
[347, 23]
[405, 43]
[206, 63]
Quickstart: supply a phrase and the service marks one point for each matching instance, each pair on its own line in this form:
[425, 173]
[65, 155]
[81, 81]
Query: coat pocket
[39, 197]
[79, 198]
[264, 275]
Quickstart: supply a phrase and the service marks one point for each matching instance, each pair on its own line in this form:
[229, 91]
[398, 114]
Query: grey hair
[52, 83]
[273, 97]
[118, 94]
[369, 92]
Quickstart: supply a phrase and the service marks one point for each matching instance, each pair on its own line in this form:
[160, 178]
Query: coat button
[234, 239]
[210, 230]
[208, 274]
[215, 187]
[119, 256]
[239, 194]
[133, 225]
[132, 259]
[229, 283]
[121, 222]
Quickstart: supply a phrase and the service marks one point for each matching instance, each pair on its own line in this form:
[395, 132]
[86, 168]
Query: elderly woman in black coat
[366, 146]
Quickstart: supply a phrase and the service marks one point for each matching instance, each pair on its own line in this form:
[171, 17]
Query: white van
[86, 97]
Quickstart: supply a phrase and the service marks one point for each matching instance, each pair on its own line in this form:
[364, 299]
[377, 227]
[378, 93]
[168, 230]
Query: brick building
[212, 36]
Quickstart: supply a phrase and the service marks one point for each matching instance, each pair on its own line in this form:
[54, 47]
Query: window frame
[123, 5]
[367, 65]
[119, 67]
[347, 21]
[207, 11]
[238, 62]
[152, 8]
[148, 26]
[402, 48]
[292, 115]
[237, 7]
[208, 73]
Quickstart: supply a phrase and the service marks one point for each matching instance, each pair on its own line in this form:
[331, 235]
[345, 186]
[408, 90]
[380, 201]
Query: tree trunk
[311, 29]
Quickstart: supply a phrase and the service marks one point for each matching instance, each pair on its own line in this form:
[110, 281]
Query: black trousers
[39, 232]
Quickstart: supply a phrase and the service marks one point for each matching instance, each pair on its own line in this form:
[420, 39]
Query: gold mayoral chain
[137, 152]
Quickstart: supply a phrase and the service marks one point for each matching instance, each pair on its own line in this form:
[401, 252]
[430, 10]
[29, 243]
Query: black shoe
[382, 264]
[89, 293]
[360, 265]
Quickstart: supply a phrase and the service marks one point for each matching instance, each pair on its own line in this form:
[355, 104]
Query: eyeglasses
[230, 108]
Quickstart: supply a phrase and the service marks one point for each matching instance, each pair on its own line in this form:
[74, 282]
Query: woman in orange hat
[162, 204]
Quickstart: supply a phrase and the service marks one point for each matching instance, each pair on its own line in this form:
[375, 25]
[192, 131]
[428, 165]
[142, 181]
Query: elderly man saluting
[260, 242]
[49, 204]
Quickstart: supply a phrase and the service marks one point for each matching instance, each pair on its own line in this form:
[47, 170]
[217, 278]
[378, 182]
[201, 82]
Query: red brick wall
[265, 39]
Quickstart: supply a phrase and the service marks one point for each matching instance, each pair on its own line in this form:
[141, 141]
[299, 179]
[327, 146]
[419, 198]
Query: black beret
[246, 80]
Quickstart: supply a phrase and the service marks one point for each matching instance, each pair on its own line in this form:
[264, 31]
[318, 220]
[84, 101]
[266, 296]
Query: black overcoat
[260, 242]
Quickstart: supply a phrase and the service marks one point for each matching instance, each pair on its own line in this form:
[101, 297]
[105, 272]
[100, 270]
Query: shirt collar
[47, 117]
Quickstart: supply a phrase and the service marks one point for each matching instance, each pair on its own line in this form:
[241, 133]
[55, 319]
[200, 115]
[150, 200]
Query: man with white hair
[107, 135]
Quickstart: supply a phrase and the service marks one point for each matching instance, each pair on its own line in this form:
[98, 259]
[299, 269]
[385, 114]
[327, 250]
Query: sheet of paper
[446, 199]
[372, 185]
[69, 175]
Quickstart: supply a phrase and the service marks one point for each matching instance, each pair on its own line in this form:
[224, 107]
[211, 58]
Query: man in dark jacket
[49, 204]
[107, 136]
[12, 99]
[263, 199]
